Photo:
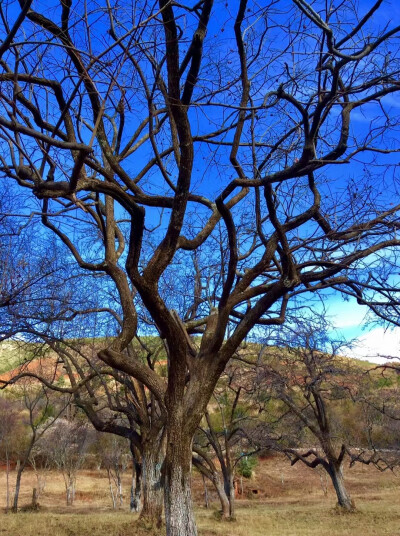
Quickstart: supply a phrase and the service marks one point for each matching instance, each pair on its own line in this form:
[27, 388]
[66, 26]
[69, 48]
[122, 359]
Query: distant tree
[377, 422]
[315, 386]
[10, 430]
[120, 405]
[38, 412]
[28, 269]
[222, 441]
[67, 444]
[195, 157]
[114, 454]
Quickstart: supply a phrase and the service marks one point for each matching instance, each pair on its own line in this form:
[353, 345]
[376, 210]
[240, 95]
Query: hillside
[11, 354]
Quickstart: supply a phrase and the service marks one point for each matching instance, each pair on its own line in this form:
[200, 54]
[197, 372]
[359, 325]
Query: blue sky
[347, 316]
[373, 342]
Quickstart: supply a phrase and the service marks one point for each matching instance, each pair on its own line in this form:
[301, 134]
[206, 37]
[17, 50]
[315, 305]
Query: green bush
[246, 466]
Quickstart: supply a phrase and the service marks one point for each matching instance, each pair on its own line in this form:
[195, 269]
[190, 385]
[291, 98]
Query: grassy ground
[278, 501]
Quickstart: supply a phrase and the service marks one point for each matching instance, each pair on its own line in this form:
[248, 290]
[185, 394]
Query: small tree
[115, 456]
[67, 445]
[223, 435]
[10, 429]
[312, 382]
[38, 414]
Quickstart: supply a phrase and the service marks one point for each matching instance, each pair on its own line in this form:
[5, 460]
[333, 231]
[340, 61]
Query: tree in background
[377, 421]
[38, 412]
[10, 431]
[318, 391]
[114, 403]
[66, 444]
[114, 455]
[222, 443]
[193, 160]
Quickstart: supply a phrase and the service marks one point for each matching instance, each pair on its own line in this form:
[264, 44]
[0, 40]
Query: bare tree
[222, 440]
[317, 388]
[114, 403]
[377, 423]
[41, 414]
[115, 456]
[196, 156]
[67, 444]
[9, 432]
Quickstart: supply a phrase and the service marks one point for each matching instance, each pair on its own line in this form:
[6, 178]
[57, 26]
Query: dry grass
[309, 520]
[278, 501]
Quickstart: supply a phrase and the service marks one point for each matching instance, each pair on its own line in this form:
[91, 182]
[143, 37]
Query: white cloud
[377, 345]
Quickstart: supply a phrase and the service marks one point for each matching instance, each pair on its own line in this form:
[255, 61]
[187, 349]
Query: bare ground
[279, 501]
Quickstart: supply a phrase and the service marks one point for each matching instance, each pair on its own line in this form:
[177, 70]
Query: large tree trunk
[179, 514]
[336, 474]
[152, 490]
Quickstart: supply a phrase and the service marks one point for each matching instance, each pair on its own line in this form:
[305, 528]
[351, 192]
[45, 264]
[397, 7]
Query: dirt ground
[278, 501]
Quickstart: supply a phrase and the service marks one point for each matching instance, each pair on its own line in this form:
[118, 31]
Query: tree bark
[17, 487]
[70, 490]
[152, 490]
[179, 514]
[344, 499]
[136, 488]
[110, 485]
[229, 487]
[224, 500]
[35, 504]
[231, 498]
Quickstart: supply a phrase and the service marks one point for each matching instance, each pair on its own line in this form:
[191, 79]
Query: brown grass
[290, 501]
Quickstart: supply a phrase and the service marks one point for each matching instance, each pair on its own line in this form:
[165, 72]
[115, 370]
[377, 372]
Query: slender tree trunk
[20, 470]
[73, 490]
[110, 484]
[7, 482]
[219, 486]
[344, 499]
[69, 495]
[35, 504]
[119, 487]
[152, 490]
[179, 514]
[136, 487]
[205, 491]
[70, 490]
[229, 490]
[231, 498]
